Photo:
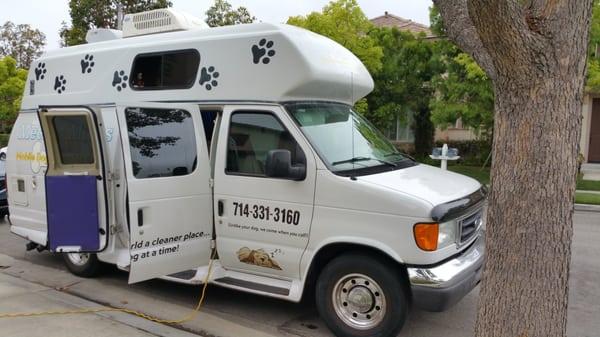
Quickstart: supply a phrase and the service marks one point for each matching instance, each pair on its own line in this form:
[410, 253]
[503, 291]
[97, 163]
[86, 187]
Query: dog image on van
[257, 257]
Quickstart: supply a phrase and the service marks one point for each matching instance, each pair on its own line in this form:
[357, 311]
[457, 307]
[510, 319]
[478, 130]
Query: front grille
[469, 225]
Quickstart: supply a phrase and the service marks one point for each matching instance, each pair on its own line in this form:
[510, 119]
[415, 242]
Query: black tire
[353, 272]
[88, 267]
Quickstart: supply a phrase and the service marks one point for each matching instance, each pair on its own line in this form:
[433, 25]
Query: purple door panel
[72, 207]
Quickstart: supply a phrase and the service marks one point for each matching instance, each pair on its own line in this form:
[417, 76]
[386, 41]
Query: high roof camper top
[172, 57]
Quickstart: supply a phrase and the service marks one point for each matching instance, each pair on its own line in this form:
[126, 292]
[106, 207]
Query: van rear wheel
[82, 264]
[358, 295]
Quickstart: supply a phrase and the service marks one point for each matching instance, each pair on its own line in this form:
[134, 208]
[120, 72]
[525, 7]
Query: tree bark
[536, 51]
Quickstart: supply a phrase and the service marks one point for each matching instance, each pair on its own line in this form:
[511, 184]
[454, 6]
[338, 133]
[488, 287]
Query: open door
[168, 188]
[76, 204]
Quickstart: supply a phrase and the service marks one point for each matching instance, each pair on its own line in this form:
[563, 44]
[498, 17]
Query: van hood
[425, 182]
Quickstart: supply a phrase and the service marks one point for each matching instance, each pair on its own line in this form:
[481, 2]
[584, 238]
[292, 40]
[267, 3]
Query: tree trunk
[529, 226]
[535, 52]
[424, 131]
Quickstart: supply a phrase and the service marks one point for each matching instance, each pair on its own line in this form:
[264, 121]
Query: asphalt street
[232, 313]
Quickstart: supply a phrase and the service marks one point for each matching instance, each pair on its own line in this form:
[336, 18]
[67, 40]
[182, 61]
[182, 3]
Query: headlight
[448, 234]
[433, 236]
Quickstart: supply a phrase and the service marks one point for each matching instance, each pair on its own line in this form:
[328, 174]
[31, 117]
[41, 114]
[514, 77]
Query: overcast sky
[46, 15]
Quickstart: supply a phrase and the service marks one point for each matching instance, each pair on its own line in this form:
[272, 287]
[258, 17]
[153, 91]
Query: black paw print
[209, 76]
[60, 83]
[120, 80]
[40, 71]
[87, 63]
[262, 52]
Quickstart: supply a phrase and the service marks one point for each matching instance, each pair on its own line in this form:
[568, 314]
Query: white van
[154, 149]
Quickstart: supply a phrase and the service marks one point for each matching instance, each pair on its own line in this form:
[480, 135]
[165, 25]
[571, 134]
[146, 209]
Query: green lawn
[588, 185]
[475, 172]
[483, 176]
[587, 198]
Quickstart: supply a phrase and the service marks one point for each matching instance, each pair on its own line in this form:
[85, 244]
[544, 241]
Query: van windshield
[347, 142]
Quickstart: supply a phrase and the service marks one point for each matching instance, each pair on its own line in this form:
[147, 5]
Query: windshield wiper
[357, 159]
[399, 154]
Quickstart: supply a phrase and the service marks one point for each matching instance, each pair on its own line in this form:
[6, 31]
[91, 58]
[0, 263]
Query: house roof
[391, 20]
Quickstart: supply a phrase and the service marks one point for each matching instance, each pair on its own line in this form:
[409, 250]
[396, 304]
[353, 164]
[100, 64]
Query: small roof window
[168, 70]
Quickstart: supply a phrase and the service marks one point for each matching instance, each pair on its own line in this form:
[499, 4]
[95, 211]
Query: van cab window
[162, 142]
[251, 136]
[165, 70]
[348, 143]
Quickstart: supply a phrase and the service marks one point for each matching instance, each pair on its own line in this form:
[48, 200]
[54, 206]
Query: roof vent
[102, 34]
[159, 21]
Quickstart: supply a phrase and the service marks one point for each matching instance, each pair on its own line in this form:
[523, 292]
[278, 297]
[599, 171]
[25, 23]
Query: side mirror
[279, 165]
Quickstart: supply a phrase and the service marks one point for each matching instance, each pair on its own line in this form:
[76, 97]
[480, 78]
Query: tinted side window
[73, 139]
[165, 70]
[251, 136]
[162, 142]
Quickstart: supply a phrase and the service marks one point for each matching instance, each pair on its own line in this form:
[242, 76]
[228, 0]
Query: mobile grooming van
[169, 144]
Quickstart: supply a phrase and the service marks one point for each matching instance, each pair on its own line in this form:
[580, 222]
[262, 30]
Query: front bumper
[439, 287]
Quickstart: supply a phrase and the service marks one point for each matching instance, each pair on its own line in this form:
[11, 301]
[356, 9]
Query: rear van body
[153, 152]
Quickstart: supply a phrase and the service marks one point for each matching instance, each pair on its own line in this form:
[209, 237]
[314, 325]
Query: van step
[184, 275]
[254, 286]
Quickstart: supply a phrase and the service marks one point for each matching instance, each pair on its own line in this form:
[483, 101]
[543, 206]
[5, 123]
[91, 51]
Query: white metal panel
[426, 182]
[276, 246]
[175, 209]
[25, 167]
[291, 64]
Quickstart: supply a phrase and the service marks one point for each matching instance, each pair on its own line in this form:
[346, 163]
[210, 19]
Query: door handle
[140, 217]
[220, 207]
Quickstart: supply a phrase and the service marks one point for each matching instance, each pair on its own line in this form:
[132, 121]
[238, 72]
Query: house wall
[454, 134]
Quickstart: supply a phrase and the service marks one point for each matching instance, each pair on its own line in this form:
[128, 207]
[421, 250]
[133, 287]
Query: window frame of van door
[261, 112]
[53, 152]
[93, 113]
[125, 108]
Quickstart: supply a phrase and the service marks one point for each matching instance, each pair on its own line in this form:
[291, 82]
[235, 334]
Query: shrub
[4, 139]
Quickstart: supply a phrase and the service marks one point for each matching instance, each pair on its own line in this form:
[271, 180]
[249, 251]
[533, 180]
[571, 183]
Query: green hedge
[471, 152]
[4, 139]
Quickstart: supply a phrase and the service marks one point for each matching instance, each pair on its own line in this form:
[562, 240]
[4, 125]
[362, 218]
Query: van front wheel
[358, 295]
[82, 264]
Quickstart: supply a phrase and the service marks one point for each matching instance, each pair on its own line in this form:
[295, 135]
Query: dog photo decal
[257, 258]
[263, 51]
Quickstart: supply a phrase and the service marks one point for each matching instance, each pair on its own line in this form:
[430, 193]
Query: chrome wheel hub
[79, 259]
[359, 301]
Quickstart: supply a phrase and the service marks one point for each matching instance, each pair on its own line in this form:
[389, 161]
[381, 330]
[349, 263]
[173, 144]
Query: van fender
[310, 253]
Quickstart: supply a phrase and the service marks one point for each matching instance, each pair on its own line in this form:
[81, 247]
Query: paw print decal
[87, 63]
[262, 52]
[40, 71]
[60, 84]
[120, 80]
[209, 76]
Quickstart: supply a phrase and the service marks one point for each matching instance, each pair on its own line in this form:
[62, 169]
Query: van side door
[168, 188]
[262, 222]
[75, 181]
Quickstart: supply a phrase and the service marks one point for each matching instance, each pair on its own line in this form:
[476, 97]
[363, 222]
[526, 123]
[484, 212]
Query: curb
[587, 208]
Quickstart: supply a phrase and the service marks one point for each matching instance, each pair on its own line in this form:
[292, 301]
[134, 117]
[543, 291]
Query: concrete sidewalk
[18, 296]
